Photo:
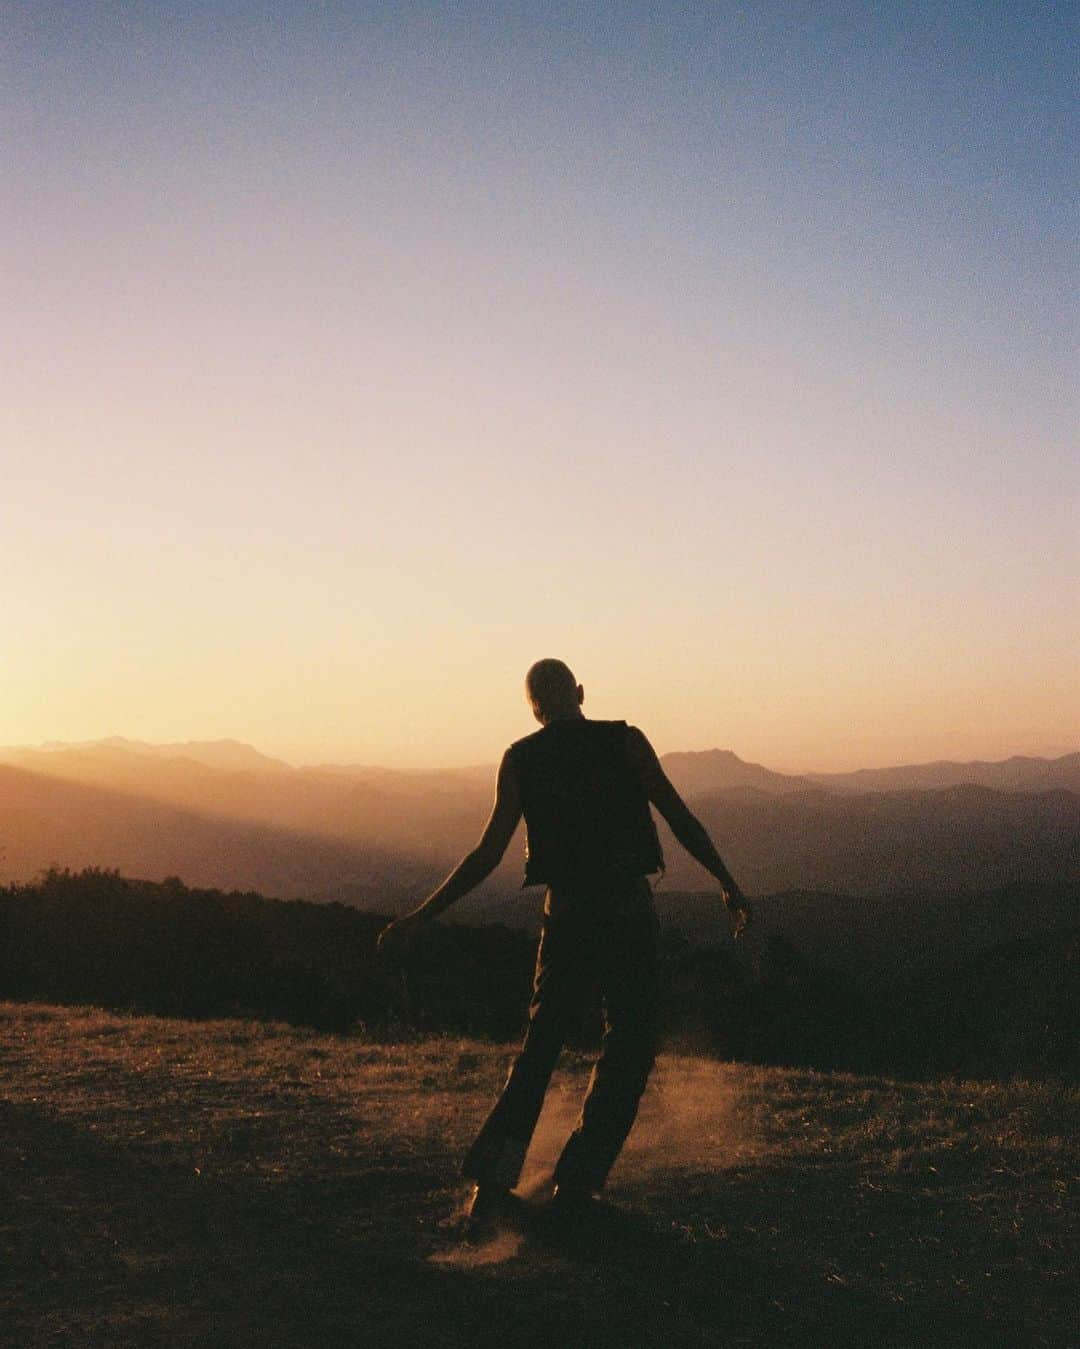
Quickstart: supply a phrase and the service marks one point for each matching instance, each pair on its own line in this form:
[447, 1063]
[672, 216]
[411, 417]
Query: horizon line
[120, 741]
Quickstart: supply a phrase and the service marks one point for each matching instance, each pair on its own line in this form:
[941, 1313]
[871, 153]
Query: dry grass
[239, 1184]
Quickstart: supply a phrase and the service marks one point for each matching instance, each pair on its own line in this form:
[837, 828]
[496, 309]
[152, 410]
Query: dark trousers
[604, 939]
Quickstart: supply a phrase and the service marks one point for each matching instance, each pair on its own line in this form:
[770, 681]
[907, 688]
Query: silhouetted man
[584, 788]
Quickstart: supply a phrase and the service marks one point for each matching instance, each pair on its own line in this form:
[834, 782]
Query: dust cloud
[687, 1121]
[502, 1247]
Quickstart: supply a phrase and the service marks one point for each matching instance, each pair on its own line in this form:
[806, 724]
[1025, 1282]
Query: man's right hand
[738, 909]
[400, 934]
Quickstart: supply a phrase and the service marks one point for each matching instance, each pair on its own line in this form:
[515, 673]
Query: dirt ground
[240, 1184]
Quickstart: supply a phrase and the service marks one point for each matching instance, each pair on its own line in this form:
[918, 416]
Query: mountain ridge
[1019, 772]
[694, 772]
[308, 836]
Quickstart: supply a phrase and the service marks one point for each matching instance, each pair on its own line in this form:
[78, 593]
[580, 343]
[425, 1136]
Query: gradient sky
[356, 355]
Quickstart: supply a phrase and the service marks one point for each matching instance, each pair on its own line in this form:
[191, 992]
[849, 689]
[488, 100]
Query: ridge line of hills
[384, 840]
[693, 771]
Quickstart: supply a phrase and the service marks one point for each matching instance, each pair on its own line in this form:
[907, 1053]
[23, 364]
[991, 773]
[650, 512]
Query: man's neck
[571, 714]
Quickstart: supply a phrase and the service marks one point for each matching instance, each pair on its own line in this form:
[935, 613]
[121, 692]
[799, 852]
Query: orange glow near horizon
[731, 366]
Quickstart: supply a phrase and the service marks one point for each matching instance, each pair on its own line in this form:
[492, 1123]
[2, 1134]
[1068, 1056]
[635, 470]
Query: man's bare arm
[478, 864]
[685, 825]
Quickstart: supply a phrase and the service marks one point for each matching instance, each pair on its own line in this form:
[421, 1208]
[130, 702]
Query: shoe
[491, 1209]
[572, 1205]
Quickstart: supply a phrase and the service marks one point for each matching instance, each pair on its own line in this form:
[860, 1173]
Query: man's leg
[498, 1153]
[628, 963]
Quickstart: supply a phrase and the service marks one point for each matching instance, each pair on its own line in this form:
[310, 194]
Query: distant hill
[223, 815]
[425, 813]
[48, 822]
[881, 843]
[698, 772]
[1018, 774]
[694, 772]
[411, 781]
[227, 755]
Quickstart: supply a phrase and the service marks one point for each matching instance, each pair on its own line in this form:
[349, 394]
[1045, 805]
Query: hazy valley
[223, 815]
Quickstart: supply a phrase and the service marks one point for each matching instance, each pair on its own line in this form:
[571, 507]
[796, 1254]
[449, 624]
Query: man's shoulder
[606, 737]
[517, 745]
[590, 725]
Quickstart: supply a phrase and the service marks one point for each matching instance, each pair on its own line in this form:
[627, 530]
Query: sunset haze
[359, 356]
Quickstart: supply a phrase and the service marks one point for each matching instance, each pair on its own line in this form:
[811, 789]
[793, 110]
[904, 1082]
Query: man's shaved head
[552, 689]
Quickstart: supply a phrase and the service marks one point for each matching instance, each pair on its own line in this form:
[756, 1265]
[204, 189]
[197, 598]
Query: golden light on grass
[237, 1179]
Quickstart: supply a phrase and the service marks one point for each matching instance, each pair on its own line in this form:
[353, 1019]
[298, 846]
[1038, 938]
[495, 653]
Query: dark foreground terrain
[229, 1183]
[984, 986]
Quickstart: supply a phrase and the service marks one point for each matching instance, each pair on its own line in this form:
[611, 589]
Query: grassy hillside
[228, 1183]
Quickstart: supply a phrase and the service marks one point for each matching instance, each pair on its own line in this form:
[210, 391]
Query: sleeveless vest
[587, 818]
